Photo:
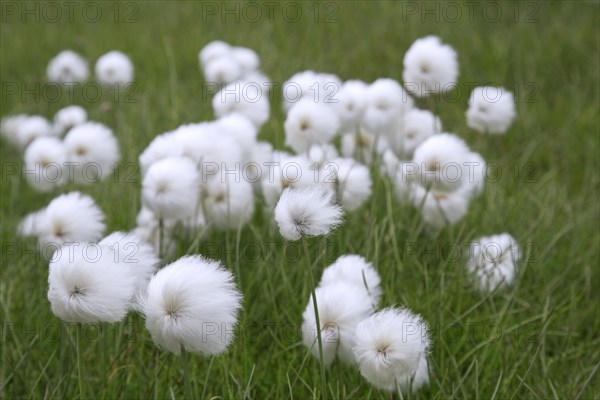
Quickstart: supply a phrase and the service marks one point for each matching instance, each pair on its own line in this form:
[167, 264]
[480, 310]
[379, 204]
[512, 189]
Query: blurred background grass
[538, 340]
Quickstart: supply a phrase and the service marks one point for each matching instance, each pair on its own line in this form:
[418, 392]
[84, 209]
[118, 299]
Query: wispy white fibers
[114, 68]
[170, 188]
[30, 128]
[492, 261]
[246, 58]
[137, 256]
[93, 151]
[477, 170]
[341, 307]
[417, 126]
[441, 162]
[363, 146]
[71, 217]
[161, 147]
[45, 163]
[229, 203]
[88, 285]
[391, 348]
[430, 67]
[319, 154]
[68, 117]
[147, 229]
[243, 97]
[351, 104]
[67, 67]
[357, 272]
[308, 211]
[440, 208]
[354, 183]
[387, 103]
[9, 127]
[29, 224]
[193, 303]
[212, 50]
[223, 69]
[316, 87]
[309, 123]
[491, 109]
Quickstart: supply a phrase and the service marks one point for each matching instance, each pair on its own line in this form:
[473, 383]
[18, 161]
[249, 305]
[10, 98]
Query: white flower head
[29, 225]
[212, 50]
[245, 98]
[222, 69]
[138, 256]
[246, 58]
[94, 149]
[351, 104]
[309, 123]
[31, 128]
[67, 67]
[68, 117]
[71, 217]
[477, 170]
[229, 203]
[170, 188]
[492, 261]
[193, 303]
[417, 126]
[491, 110]
[287, 172]
[88, 285]
[363, 146]
[320, 154]
[430, 67]
[354, 270]
[317, 87]
[161, 147]
[387, 102]
[307, 211]
[341, 308]
[113, 68]
[45, 160]
[354, 183]
[441, 162]
[440, 208]
[391, 349]
[9, 127]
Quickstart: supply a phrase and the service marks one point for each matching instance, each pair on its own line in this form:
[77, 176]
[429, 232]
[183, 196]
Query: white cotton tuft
[492, 261]
[213, 50]
[341, 308]
[387, 102]
[285, 171]
[30, 128]
[320, 154]
[71, 217]
[308, 211]
[29, 225]
[94, 150]
[491, 110]
[441, 162]
[229, 203]
[309, 123]
[245, 98]
[430, 67]
[476, 174]
[136, 255]
[354, 183]
[67, 67]
[316, 87]
[246, 58]
[88, 285]
[68, 117]
[354, 270]
[9, 127]
[222, 69]
[391, 347]
[45, 162]
[439, 208]
[417, 126]
[351, 104]
[161, 147]
[170, 188]
[363, 146]
[192, 303]
[114, 68]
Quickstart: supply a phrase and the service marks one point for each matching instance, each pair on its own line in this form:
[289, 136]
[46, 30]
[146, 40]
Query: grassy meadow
[539, 339]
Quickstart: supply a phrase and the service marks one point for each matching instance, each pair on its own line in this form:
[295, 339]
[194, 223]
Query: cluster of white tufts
[69, 68]
[493, 261]
[390, 346]
[70, 149]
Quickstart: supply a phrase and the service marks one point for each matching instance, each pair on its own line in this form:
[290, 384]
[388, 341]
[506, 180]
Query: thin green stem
[79, 368]
[186, 374]
[317, 321]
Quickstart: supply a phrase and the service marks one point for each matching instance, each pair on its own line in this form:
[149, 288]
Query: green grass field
[539, 339]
